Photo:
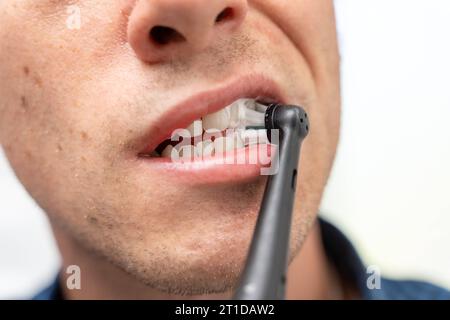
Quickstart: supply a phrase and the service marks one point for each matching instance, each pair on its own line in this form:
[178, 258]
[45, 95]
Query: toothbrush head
[287, 118]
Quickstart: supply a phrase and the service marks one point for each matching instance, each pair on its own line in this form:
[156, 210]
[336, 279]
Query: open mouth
[201, 140]
[236, 126]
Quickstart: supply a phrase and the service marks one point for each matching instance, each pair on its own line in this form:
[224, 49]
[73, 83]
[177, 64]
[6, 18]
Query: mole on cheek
[24, 102]
[29, 154]
[36, 79]
[84, 135]
[26, 71]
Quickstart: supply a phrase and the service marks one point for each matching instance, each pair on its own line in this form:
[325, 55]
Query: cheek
[42, 135]
[40, 112]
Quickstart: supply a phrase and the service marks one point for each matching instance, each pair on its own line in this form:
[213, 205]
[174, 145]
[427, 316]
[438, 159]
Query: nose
[160, 30]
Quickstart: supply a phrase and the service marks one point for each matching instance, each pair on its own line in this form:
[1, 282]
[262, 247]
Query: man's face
[79, 106]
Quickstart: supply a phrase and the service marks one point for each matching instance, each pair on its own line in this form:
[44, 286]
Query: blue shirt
[349, 266]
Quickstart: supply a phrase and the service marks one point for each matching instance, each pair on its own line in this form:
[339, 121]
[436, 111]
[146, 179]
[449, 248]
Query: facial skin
[75, 105]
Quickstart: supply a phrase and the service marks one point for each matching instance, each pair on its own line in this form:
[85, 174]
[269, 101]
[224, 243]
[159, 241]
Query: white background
[390, 188]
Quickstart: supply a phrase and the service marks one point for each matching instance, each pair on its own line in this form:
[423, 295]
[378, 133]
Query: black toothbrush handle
[264, 275]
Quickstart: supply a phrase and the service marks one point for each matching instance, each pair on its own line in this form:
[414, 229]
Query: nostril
[165, 35]
[225, 14]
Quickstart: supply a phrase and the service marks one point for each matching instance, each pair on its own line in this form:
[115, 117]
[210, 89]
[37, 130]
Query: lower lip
[239, 165]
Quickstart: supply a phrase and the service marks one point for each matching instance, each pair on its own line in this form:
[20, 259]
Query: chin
[202, 261]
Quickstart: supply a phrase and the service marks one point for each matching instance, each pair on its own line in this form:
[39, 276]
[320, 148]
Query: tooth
[167, 152]
[218, 120]
[205, 148]
[224, 144]
[237, 113]
[211, 134]
[200, 146]
[252, 137]
[188, 152]
[196, 128]
[178, 134]
[239, 143]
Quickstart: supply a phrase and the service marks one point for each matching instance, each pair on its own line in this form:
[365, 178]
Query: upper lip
[184, 113]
